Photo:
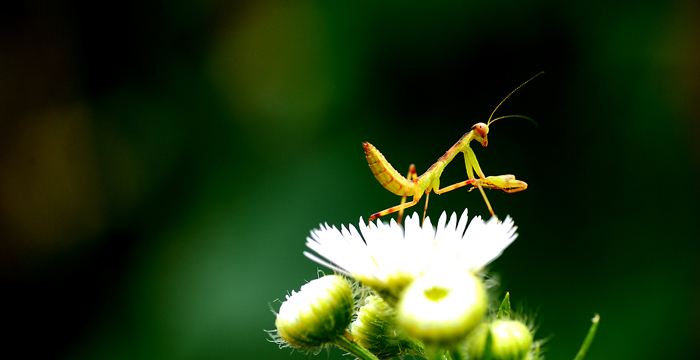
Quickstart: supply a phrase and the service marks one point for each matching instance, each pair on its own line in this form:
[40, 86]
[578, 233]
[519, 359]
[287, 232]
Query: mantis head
[481, 130]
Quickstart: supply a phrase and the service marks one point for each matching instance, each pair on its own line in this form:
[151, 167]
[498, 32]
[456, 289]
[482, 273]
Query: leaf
[504, 310]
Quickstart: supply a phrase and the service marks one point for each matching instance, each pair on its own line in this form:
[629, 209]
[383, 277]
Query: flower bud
[441, 308]
[317, 314]
[376, 330]
[509, 340]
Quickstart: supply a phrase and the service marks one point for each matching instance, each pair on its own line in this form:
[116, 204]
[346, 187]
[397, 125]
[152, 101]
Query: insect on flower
[415, 186]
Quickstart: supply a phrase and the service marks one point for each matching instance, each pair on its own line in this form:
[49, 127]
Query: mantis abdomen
[386, 174]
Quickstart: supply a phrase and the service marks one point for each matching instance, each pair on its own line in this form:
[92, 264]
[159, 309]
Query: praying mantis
[429, 181]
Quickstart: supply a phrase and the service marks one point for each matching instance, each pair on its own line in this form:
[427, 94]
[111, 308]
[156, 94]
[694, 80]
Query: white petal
[463, 222]
[383, 252]
[428, 231]
[440, 228]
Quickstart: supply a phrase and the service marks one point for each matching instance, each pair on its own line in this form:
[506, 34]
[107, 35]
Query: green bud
[501, 340]
[316, 315]
[376, 330]
[441, 308]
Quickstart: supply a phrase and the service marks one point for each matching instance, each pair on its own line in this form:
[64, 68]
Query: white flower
[388, 258]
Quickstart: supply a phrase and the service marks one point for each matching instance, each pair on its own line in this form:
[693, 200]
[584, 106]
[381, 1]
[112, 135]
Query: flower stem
[589, 338]
[354, 348]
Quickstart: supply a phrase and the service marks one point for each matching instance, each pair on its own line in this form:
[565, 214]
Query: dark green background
[161, 163]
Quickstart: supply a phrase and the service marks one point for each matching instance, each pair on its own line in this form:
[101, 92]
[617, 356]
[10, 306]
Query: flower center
[436, 293]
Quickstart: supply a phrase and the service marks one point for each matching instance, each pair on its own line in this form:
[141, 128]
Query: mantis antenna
[502, 101]
[518, 116]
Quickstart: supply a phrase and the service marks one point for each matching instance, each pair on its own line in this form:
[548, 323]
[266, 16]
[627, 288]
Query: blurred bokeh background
[162, 162]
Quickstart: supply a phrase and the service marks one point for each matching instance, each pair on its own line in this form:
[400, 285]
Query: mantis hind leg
[411, 176]
[425, 210]
[396, 208]
[403, 205]
[458, 185]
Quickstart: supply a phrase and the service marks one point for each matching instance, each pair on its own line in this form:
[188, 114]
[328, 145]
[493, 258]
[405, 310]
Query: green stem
[354, 348]
[589, 338]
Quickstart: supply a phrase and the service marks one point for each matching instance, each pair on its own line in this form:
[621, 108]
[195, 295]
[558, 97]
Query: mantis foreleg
[471, 163]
